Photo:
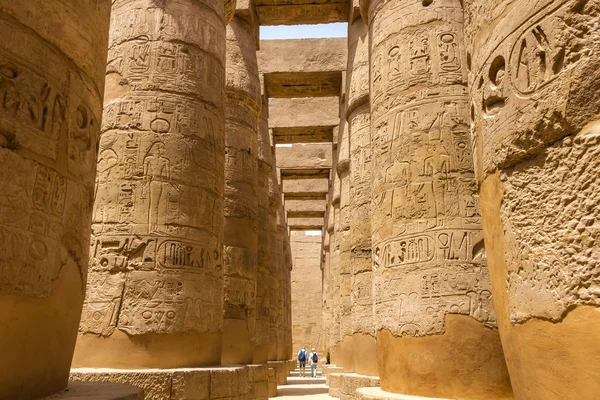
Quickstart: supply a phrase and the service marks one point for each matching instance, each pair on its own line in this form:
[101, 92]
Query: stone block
[304, 156]
[98, 391]
[176, 384]
[351, 382]
[332, 369]
[375, 393]
[335, 384]
[272, 382]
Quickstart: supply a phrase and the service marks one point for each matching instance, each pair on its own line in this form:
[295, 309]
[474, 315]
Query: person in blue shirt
[302, 356]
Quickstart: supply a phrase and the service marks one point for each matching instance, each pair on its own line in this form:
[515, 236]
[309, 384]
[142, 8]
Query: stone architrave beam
[304, 156]
[304, 120]
[303, 224]
[302, 187]
[298, 12]
[305, 208]
[302, 67]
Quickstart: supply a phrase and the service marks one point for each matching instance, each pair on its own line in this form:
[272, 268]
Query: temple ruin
[185, 205]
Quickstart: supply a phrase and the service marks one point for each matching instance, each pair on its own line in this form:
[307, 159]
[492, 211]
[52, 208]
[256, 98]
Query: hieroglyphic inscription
[158, 211]
[49, 115]
[428, 257]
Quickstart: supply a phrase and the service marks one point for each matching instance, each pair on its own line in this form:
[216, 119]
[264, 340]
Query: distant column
[434, 315]
[155, 288]
[263, 290]
[242, 114]
[52, 71]
[274, 266]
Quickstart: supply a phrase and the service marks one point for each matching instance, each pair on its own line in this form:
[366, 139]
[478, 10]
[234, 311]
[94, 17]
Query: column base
[215, 383]
[335, 382]
[375, 393]
[352, 381]
[98, 391]
[331, 369]
[281, 371]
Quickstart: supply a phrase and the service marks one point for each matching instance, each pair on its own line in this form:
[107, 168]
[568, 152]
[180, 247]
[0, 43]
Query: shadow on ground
[300, 391]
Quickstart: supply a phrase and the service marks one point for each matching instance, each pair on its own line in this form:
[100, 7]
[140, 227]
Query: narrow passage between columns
[304, 387]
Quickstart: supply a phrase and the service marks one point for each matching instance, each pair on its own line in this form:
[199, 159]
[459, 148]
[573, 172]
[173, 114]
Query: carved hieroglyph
[343, 231]
[530, 86]
[427, 240]
[264, 245]
[242, 113]
[273, 282]
[156, 252]
[52, 67]
[359, 127]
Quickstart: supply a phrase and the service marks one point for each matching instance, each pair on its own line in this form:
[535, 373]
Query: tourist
[314, 359]
[302, 360]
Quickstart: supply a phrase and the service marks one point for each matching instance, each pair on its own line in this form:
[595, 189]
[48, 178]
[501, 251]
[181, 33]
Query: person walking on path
[314, 359]
[302, 356]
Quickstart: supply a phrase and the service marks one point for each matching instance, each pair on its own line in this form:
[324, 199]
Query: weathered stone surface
[157, 233]
[221, 383]
[302, 68]
[52, 57]
[98, 391]
[335, 382]
[376, 393]
[534, 91]
[304, 120]
[304, 156]
[351, 382]
[430, 280]
[261, 353]
[306, 208]
[242, 114]
[359, 129]
[301, 12]
[306, 292]
[305, 224]
[305, 187]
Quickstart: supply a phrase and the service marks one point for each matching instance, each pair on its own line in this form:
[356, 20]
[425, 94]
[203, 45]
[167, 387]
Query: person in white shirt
[314, 359]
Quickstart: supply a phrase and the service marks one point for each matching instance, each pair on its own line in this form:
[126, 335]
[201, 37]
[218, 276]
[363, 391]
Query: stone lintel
[303, 67]
[303, 84]
[303, 55]
[306, 196]
[98, 391]
[313, 156]
[305, 206]
[301, 186]
[294, 14]
[305, 214]
[305, 173]
[305, 224]
[304, 120]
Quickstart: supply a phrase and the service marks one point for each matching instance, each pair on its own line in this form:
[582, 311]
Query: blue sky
[303, 31]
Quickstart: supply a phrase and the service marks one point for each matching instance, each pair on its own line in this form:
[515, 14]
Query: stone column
[281, 272]
[327, 284]
[274, 266]
[334, 340]
[329, 278]
[346, 353]
[155, 288]
[242, 114]
[359, 127]
[534, 87]
[261, 352]
[52, 69]
[434, 317]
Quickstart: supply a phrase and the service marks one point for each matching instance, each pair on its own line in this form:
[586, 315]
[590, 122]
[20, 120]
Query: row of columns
[189, 262]
[454, 267]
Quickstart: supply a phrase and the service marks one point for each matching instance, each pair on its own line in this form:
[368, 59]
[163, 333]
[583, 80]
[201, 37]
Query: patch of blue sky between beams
[339, 29]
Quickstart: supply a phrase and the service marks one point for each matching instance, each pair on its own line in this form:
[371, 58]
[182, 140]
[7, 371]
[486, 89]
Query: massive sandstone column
[261, 352]
[155, 288]
[535, 101]
[359, 127]
[274, 266]
[346, 353]
[433, 309]
[52, 67]
[242, 114]
[282, 269]
[334, 340]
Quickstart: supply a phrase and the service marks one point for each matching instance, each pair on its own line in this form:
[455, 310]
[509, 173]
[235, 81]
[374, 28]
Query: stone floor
[305, 388]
